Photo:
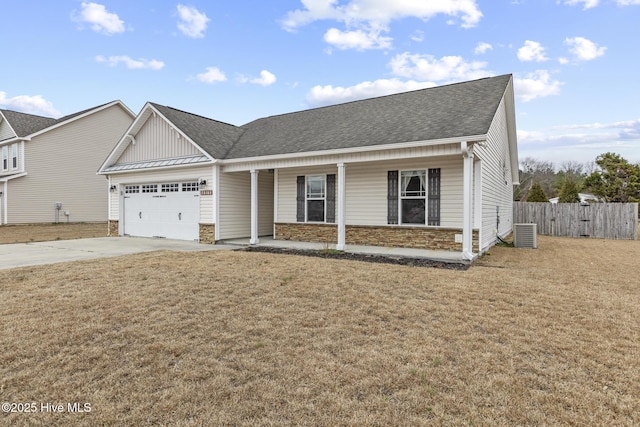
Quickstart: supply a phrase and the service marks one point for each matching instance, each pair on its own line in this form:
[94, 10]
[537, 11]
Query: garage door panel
[164, 210]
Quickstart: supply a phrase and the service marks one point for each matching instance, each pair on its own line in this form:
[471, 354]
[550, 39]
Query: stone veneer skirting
[431, 238]
[208, 234]
[113, 228]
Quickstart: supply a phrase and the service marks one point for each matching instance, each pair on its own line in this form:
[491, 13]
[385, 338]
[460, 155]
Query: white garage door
[170, 210]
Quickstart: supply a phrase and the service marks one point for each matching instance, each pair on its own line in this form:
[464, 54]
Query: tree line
[611, 178]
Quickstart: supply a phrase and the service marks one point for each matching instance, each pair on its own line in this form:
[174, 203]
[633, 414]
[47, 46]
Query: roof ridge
[155, 104]
[376, 97]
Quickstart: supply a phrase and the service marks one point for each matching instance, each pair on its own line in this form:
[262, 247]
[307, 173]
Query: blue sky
[575, 63]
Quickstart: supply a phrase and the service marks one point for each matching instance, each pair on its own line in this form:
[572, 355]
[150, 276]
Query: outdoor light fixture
[203, 182]
[113, 188]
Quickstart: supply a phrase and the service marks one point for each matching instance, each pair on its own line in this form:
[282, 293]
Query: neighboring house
[584, 198]
[48, 163]
[431, 169]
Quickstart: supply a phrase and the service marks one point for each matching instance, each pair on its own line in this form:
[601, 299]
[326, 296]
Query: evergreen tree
[536, 194]
[616, 181]
[569, 192]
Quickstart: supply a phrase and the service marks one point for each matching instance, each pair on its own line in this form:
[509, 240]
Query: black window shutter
[331, 198]
[300, 182]
[392, 197]
[434, 197]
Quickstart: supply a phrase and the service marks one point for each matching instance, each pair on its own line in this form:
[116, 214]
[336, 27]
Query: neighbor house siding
[235, 205]
[157, 140]
[497, 184]
[366, 189]
[166, 175]
[5, 130]
[61, 167]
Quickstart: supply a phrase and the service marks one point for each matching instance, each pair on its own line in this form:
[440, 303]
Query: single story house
[48, 166]
[431, 169]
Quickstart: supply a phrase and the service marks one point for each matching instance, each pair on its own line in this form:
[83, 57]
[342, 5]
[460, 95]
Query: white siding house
[52, 162]
[431, 169]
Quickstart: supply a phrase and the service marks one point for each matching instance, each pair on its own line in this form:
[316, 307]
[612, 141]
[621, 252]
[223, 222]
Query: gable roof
[460, 110]
[25, 125]
[456, 110]
[213, 136]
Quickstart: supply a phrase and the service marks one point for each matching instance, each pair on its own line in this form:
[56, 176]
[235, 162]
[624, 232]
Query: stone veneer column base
[112, 226]
[430, 238]
[208, 234]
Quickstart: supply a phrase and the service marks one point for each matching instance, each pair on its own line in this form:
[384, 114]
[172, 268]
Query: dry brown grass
[48, 232]
[525, 337]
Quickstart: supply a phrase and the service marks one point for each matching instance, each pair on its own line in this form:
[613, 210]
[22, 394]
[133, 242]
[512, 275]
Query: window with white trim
[170, 188]
[316, 198]
[316, 192]
[14, 156]
[413, 194]
[5, 158]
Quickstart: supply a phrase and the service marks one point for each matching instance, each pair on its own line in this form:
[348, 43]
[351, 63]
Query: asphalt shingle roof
[456, 110]
[26, 124]
[215, 137]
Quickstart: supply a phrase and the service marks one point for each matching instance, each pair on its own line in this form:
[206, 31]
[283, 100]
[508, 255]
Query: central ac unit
[525, 236]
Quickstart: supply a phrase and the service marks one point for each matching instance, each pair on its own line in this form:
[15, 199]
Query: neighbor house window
[413, 197]
[5, 158]
[14, 156]
[316, 198]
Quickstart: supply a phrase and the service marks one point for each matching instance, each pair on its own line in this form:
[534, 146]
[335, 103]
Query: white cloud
[482, 48]
[365, 20]
[536, 85]
[35, 104]
[193, 23]
[588, 4]
[133, 64]
[266, 78]
[627, 2]
[358, 39]
[531, 51]
[101, 20]
[582, 142]
[418, 36]
[328, 95]
[445, 69]
[584, 49]
[212, 75]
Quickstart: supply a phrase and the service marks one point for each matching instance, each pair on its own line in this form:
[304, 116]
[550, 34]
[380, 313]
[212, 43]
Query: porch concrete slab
[442, 256]
[40, 253]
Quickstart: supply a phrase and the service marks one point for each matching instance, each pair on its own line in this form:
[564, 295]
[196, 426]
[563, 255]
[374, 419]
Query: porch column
[254, 207]
[467, 224]
[341, 202]
[215, 187]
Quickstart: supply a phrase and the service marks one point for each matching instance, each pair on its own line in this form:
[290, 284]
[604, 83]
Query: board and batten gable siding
[160, 176]
[497, 183]
[366, 189]
[157, 140]
[61, 167]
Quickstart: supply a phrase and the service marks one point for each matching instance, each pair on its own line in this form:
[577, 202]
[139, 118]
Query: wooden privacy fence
[600, 220]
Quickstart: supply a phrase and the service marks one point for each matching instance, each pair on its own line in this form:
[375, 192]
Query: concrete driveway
[39, 253]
